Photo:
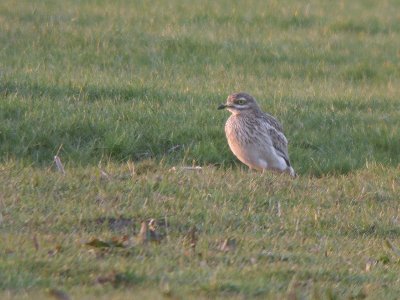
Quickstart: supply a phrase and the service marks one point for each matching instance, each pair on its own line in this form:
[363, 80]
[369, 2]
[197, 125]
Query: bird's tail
[291, 172]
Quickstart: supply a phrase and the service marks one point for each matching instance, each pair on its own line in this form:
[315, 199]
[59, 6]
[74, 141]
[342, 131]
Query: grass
[126, 94]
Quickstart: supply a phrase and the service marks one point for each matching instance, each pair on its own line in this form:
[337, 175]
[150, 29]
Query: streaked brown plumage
[256, 138]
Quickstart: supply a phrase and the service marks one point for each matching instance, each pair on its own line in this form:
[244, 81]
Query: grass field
[125, 92]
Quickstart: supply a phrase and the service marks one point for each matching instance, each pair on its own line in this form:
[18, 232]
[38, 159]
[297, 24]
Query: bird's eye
[241, 102]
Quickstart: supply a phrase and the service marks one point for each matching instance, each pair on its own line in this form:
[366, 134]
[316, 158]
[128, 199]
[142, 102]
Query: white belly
[256, 157]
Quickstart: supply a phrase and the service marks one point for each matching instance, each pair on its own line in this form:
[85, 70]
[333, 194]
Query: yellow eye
[241, 102]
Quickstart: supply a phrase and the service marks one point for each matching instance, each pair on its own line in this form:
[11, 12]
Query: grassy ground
[126, 93]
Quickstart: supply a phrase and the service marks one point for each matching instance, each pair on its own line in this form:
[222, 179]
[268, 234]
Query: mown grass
[131, 89]
[322, 232]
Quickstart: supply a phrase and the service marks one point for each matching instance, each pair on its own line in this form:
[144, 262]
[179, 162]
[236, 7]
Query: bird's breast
[244, 131]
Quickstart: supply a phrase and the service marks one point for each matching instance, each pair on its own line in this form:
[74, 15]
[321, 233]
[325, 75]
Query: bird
[256, 138]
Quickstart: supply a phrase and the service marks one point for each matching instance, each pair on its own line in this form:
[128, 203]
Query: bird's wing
[273, 122]
[278, 139]
[279, 142]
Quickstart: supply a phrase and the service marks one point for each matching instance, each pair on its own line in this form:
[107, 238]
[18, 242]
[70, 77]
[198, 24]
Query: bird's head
[240, 102]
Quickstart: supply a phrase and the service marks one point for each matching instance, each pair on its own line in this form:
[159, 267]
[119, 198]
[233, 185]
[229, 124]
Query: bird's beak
[222, 106]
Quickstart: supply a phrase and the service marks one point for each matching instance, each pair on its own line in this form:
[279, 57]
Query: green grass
[131, 88]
